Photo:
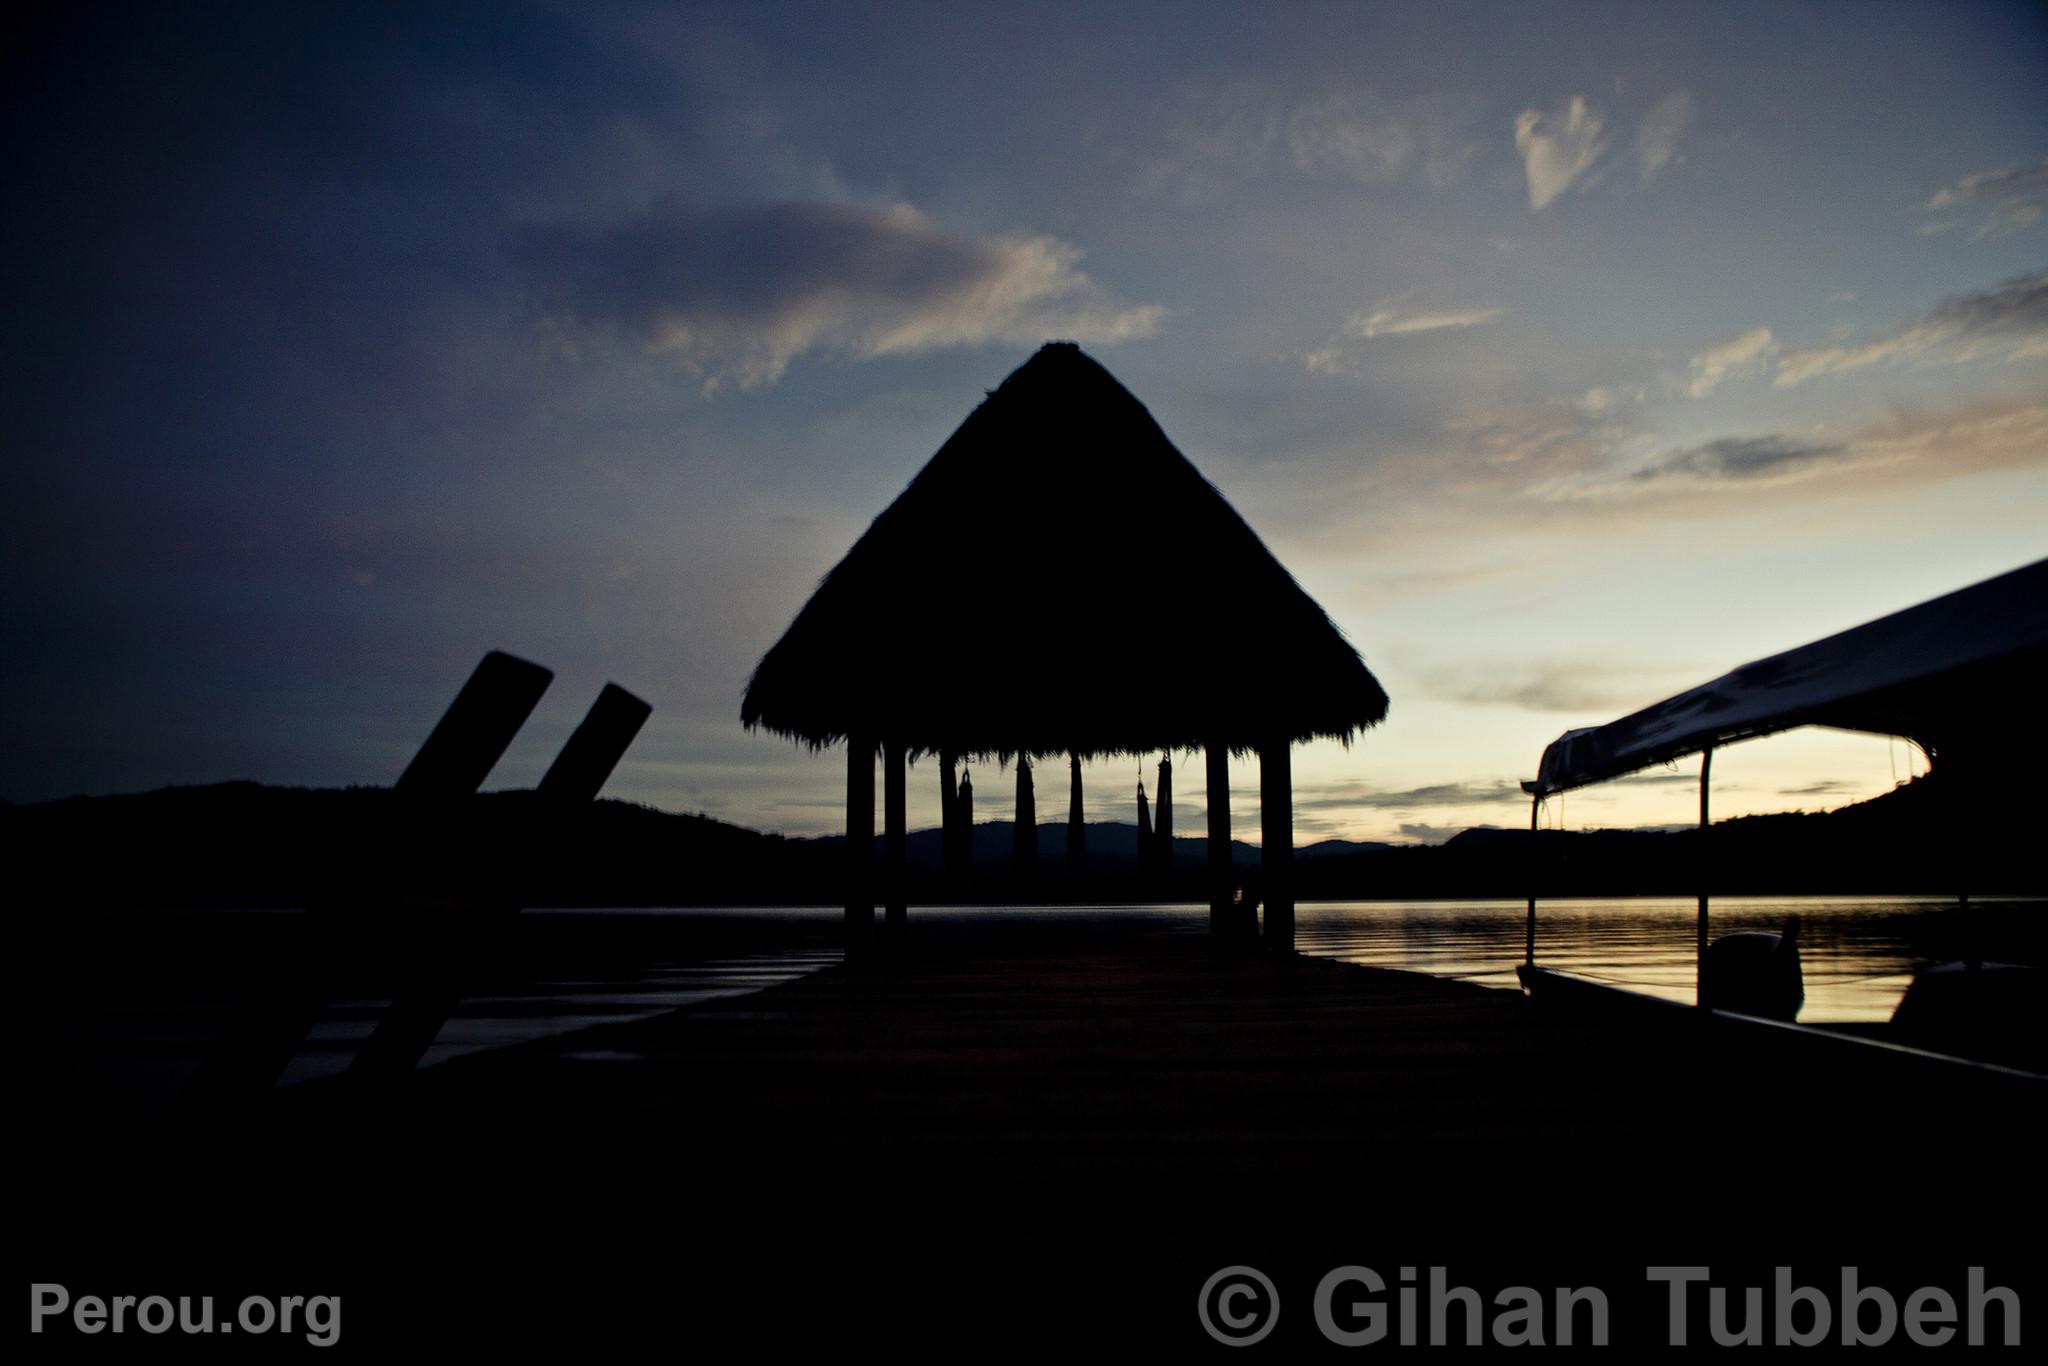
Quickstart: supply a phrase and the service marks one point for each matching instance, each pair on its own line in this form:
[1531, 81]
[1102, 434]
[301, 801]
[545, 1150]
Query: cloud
[1743, 355]
[1558, 148]
[1422, 833]
[2008, 321]
[1905, 448]
[1332, 136]
[1529, 446]
[1656, 144]
[1744, 458]
[1246, 129]
[1548, 686]
[734, 296]
[1999, 202]
[1386, 320]
[1833, 787]
[1390, 319]
[1355, 794]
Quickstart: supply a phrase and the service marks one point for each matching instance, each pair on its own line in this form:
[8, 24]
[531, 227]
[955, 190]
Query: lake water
[134, 1009]
[1858, 955]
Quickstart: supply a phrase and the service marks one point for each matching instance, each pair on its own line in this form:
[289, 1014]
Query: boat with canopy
[1962, 676]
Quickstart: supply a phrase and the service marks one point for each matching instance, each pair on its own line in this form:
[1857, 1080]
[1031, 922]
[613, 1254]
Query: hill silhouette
[246, 844]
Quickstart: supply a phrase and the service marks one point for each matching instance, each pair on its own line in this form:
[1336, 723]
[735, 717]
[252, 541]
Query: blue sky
[1568, 354]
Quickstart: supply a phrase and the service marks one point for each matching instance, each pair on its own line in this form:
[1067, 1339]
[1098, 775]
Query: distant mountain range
[247, 844]
[1112, 847]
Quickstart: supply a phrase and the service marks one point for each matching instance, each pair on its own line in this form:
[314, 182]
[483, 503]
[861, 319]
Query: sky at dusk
[1568, 354]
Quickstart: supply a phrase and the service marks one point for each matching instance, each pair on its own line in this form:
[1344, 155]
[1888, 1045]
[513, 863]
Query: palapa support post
[1276, 853]
[894, 835]
[1220, 888]
[1700, 974]
[1162, 817]
[949, 812]
[1024, 830]
[860, 837]
[964, 806]
[1077, 831]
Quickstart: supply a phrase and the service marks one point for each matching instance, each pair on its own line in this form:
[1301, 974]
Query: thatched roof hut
[1064, 467]
[1055, 474]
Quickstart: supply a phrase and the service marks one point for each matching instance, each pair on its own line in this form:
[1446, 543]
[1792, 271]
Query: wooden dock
[1086, 1122]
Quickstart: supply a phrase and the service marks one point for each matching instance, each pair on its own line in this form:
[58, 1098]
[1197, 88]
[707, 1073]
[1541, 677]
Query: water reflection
[1858, 954]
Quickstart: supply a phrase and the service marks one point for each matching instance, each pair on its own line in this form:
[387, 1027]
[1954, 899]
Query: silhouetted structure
[426, 941]
[596, 747]
[1064, 450]
[1962, 675]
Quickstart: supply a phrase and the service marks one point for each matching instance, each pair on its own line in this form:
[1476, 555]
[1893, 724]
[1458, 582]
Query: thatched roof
[987, 609]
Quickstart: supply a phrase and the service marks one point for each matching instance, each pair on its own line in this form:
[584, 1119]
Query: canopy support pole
[893, 834]
[860, 837]
[1700, 977]
[1220, 879]
[1276, 839]
[1529, 947]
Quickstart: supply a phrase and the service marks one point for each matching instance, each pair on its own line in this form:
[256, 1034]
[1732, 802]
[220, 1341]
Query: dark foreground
[1001, 1141]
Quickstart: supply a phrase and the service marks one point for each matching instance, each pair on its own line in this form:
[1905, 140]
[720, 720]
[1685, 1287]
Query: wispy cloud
[1658, 135]
[1737, 459]
[1393, 318]
[1246, 128]
[1990, 203]
[1547, 686]
[1358, 795]
[1739, 356]
[1905, 448]
[733, 297]
[2008, 321]
[1558, 148]
[1833, 787]
[1390, 320]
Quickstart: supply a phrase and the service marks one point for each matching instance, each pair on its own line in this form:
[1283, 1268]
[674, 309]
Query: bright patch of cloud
[1387, 320]
[1391, 318]
[1743, 355]
[734, 297]
[1557, 148]
[1657, 136]
[1992, 203]
[2009, 321]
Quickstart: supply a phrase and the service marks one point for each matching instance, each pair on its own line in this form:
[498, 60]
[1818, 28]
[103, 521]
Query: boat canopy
[1955, 665]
